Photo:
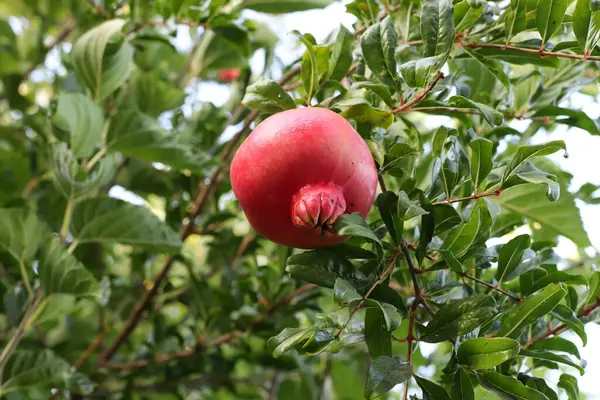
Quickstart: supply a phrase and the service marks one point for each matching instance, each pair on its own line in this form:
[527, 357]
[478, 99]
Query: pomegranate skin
[229, 74]
[298, 171]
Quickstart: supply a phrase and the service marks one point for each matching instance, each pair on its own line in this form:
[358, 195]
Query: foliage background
[134, 269]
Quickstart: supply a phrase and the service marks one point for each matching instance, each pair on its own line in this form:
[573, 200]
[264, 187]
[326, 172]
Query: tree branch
[493, 287]
[407, 106]
[472, 197]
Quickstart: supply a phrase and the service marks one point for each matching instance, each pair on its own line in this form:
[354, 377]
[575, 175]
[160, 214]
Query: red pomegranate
[298, 171]
[229, 74]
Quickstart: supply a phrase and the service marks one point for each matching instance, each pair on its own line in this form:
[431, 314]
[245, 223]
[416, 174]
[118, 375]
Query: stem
[419, 299]
[94, 160]
[493, 287]
[72, 246]
[472, 197]
[409, 339]
[25, 278]
[407, 106]
[20, 332]
[64, 229]
[541, 53]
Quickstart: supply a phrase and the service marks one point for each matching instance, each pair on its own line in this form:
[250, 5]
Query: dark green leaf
[511, 255]
[508, 388]
[459, 318]
[341, 57]
[310, 67]
[384, 373]
[574, 118]
[21, 233]
[530, 310]
[378, 44]
[559, 276]
[586, 26]
[481, 159]
[462, 389]
[565, 315]
[538, 384]
[387, 203]
[268, 96]
[344, 292]
[379, 89]
[354, 225]
[482, 353]
[377, 335]
[321, 268]
[518, 57]
[549, 16]
[283, 6]
[557, 343]
[437, 27]
[446, 217]
[515, 20]
[549, 356]
[569, 384]
[431, 390]
[461, 238]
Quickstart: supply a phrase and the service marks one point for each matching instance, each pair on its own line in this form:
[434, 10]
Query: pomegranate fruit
[298, 171]
[229, 74]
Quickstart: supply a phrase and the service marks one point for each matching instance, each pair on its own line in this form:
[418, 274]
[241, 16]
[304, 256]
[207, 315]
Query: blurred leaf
[60, 272]
[462, 389]
[491, 115]
[21, 233]
[530, 310]
[459, 318]
[102, 58]
[379, 89]
[569, 384]
[344, 292]
[80, 122]
[574, 118]
[283, 6]
[287, 340]
[384, 373]
[515, 20]
[268, 96]
[108, 220]
[431, 390]
[321, 268]
[154, 96]
[518, 57]
[482, 353]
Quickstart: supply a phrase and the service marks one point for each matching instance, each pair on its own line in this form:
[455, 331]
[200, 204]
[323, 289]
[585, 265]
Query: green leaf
[310, 67]
[459, 318]
[518, 57]
[388, 295]
[549, 16]
[387, 203]
[446, 217]
[481, 159]
[594, 290]
[378, 44]
[549, 356]
[363, 113]
[60, 272]
[569, 384]
[80, 122]
[108, 220]
[437, 28]
[408, 209]
[321, 268]
[452, 262]
[465, 235]
[492, 116]
[287, 340]
[538, 384]
[384, 373]
[153, 96]
[528, 173]
[586, 26]
[462, 389]
[465, 14]
[102, 58]
[344, 292]
[283, 6]
[508, 388]
[565, 315]
[493, 67]
[379, 89]
[378, 336]
[40, 369]
[20, 233]
[530, 310]
[557, 343]
[431, 390]
[515, 20]
[559, 276]
[71, 180]
[439, 140]
[574, 118]
[419, 73]
[395, 154]
[341, 56]
[511, 255]
[354, 225]
[482, 353]
[561, 217]
[140, 136]
[268, 96]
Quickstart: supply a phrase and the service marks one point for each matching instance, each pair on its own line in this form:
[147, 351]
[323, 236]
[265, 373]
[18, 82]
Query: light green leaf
[341, 56]
[102, 58]
[586, 26]
[530, 310]
[462, 389]
[384, 373]
[153, 95]
[268, 96]
[363, 113]
[557, 343]
[140, 136]
[459, 318]
[437, 28]
[510, 257]
[60, 272]
[354, 225]
[379, 89]
[548, 356]
[482, 353]
[283, 6]
[569, 384]
[108, 220]
[80, 122]
[492, 116]
[481, 159]
[508, 388]
[378, 44]
[20, 233]
[408, 209]
[465, 15]
[565, 315]
[287, 340]
[344, 292]
[561, 217]
[549, 16]
[309, 68]
[420, 72]
[515, 19]
[559, 276]
[493, 67]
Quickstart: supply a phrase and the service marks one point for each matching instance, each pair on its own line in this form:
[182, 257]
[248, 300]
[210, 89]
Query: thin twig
[408, 105]
[541, 53]
[409, 339]
[419, 298]
[474, 196]
[493, 287]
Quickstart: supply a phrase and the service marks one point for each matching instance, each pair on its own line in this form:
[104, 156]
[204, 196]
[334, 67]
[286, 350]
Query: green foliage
[170, 294]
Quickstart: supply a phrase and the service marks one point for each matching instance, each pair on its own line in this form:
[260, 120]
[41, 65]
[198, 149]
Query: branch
[472, 197]
[542, 53]
[419, 299]
[409, 339]
[98, 10]
[407, 106]
[585, 312]
[493, 287]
